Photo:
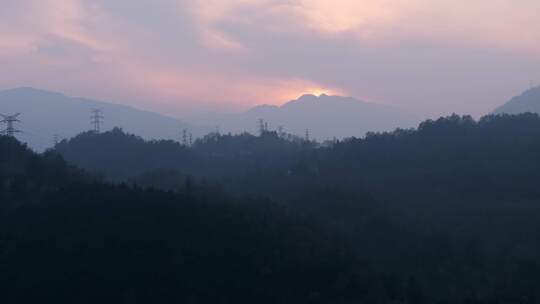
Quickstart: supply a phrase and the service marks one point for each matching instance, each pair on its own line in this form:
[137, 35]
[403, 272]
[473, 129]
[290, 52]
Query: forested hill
[452, 156]
[25, 173]
[448, 213]
[67, 238]
[119, 155]
[495, 157]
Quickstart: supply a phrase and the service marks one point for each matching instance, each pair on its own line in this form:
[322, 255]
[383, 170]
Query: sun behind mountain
[319, 92]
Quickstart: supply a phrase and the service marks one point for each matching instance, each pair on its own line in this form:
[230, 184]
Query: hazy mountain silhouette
[46, 113]
[529, 101]
[325, 117]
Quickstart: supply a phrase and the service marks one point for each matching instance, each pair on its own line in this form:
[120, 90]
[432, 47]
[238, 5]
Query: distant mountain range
[46, 114]
[529, 101]
[324, 116]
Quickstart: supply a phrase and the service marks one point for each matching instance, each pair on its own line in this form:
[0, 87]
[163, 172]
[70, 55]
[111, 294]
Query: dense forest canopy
[451, 156]
[445, 213]
[66, 238]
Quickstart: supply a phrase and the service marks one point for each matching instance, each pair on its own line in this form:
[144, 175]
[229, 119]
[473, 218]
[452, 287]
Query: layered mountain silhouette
[46, 114]
[324, 116]
[529, 101]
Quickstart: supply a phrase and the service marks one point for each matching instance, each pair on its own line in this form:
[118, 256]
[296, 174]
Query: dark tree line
[120, 156]
[68, 238]
[446, 213]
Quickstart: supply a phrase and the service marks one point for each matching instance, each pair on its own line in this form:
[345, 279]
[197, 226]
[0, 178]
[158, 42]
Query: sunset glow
[239, 53]
[270, 151]
[320, 91]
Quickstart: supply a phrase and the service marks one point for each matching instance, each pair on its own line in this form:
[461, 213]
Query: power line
[10, 121]
[97, 119]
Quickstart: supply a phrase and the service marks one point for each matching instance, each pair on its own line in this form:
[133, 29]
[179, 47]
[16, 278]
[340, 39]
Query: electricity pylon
[184, 137]
[97, 119]
[10, 121]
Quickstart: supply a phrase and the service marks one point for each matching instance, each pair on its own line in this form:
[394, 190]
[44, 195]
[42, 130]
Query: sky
[431, 57]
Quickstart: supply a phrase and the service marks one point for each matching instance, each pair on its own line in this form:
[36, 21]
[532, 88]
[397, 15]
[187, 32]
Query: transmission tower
[262, 126]
[307, 135]
[190, 139]
[97, 119]
[184, 137]
[10, 121]
[281, 131]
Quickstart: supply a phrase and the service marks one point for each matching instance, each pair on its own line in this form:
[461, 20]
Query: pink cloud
[193, 55]
[504, 24]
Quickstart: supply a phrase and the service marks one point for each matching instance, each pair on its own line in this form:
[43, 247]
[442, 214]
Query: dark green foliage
[94, 243]
[454, 157]
[447, 213]
[87, 242]
[120, 156]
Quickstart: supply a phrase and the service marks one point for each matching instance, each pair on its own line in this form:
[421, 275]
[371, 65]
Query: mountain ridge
[328, 116]
[47, 114]
[528, 101]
